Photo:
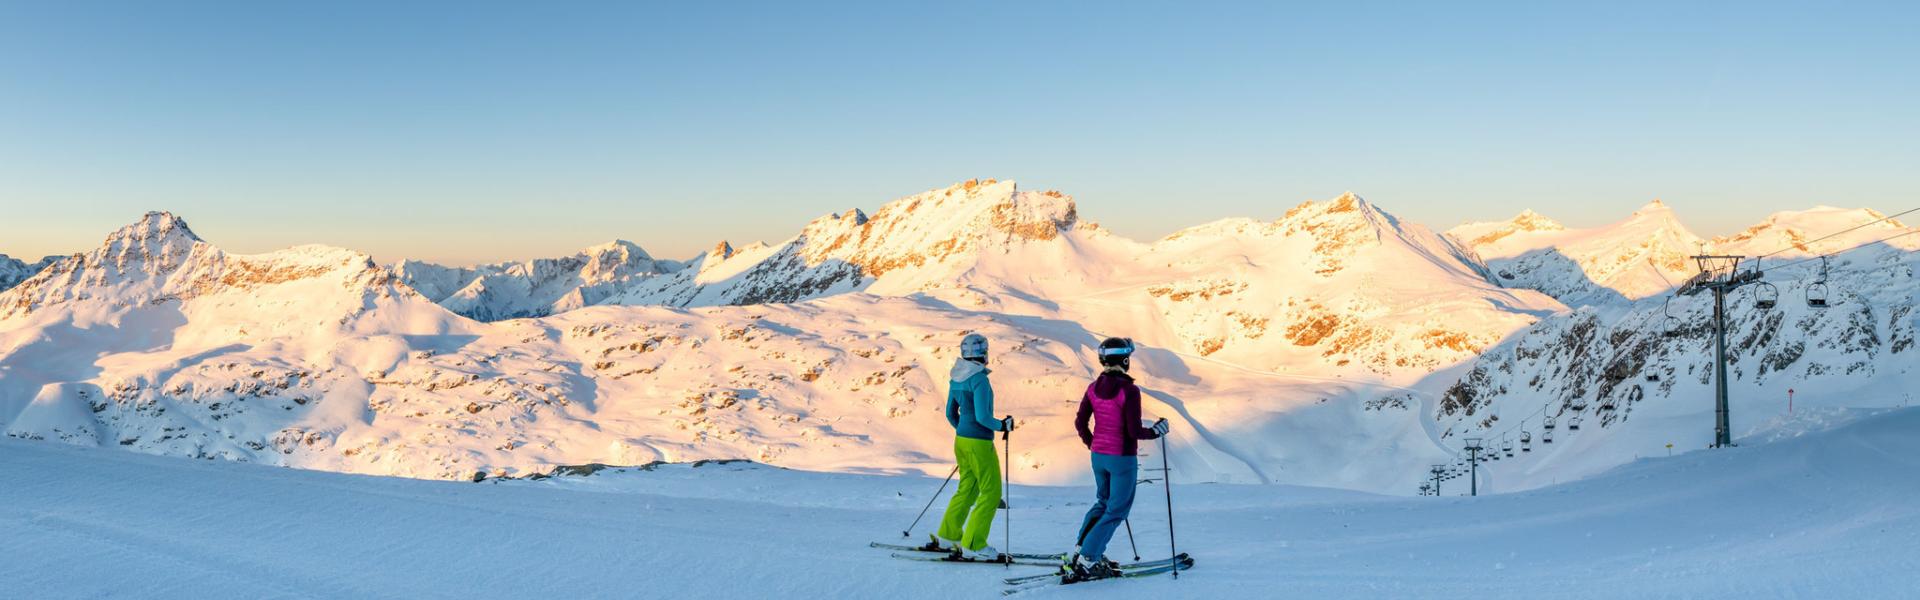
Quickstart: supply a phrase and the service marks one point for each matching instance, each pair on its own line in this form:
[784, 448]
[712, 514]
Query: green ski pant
[970, 514]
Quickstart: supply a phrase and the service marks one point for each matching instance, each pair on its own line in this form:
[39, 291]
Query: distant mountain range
[1335, 345]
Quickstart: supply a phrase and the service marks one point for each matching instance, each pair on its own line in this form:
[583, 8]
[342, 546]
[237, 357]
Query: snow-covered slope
[1628, 260]
[1335, 345]
[1333, 286]
[1794, 234]
[534, 288]
[159, 342]
[1822, 515]
[1336, 287]
[1641, 380]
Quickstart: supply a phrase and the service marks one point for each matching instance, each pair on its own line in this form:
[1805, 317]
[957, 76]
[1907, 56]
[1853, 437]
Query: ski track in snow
[1826, 513]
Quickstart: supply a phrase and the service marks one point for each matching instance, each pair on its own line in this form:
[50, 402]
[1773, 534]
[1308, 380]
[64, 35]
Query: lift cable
[1810, 243]
[1840, 252]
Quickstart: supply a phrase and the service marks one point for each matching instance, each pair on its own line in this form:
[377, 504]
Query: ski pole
[936, 496]
[1130, 542]
[1166, 478]
[1006, 494]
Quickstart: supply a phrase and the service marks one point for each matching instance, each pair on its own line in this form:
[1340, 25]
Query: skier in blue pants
[1112, 403]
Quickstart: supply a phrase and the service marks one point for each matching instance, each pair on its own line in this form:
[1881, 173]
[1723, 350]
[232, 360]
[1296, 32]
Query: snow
[1857, 354]
[1336, 345]
[1313, 359]
[1825, 513]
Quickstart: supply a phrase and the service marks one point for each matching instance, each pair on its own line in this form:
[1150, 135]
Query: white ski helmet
[973, 346]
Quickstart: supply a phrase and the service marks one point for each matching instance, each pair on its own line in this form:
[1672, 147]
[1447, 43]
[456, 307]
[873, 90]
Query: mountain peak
[948, 221]
[1528, 220]
[620, 249]
[1346, 204]
[156, 225]
[1655, 206]
[158, 242]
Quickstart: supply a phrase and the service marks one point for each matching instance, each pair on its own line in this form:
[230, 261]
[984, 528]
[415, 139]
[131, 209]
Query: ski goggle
[1121, 351]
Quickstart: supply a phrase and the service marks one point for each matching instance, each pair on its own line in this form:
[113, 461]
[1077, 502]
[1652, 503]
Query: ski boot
[935, 543]
[984, 554]
[1085, 569]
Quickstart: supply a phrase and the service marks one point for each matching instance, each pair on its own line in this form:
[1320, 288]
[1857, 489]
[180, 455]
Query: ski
[948, 558]
[1059, 580]
[1185, 560]
[885, 546]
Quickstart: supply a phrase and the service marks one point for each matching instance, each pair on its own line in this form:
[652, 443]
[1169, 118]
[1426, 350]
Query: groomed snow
[1822, 514]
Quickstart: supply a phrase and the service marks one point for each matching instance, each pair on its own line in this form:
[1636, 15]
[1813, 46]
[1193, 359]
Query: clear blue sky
[477, 131]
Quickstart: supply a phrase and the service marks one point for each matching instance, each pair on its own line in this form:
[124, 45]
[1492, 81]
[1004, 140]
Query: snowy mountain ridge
[534, 288]
[1293, 349]
[1630, 259]
[904, 246]
[13, 270]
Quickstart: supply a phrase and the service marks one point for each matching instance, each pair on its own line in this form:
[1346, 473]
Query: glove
[1160, 427]
[1006, 423]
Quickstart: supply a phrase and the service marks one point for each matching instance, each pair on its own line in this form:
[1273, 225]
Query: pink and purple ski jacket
[1113, 402]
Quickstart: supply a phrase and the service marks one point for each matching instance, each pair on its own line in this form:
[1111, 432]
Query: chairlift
[1817, 296]
[1573, 424]
[1606, 404]
[1670, 326]
[1548, 425]
[1579, 404]
[1526, 441]
[1765, 296]
[1817, 292]
[1546, 437]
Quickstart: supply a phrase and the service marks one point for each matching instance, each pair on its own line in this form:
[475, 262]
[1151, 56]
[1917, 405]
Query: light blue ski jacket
[970, 401]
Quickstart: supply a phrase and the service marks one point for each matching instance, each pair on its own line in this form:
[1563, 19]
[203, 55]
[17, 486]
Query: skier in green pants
[970, 411]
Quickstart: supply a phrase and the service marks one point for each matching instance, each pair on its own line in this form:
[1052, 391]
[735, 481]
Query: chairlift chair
[1817, 292]
[1669, 325]
[1579, 404]
[1817, 296]
[1765, 296]
[1546, 437]
[1526, 441]
[1606, 404]
[1573, 424]
[1548, 424]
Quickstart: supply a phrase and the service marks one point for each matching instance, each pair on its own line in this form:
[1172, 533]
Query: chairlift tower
[1719, 274]
[1473, 459]
[1438, 471]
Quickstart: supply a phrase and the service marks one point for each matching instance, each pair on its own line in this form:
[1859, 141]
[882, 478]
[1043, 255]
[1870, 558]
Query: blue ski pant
[1114, 478]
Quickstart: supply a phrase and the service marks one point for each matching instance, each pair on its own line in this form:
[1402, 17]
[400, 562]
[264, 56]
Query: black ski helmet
[1114, 352]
